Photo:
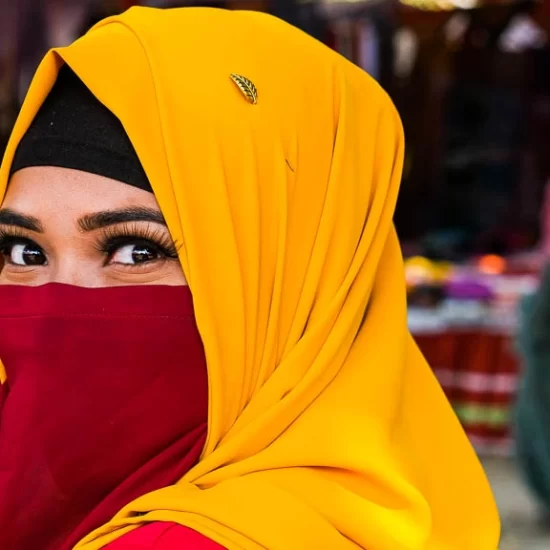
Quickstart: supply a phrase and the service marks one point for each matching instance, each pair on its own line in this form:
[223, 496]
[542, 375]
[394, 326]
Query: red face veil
[106, 400]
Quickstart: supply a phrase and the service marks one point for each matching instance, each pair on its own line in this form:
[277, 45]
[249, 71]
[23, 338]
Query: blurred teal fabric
[533, 405]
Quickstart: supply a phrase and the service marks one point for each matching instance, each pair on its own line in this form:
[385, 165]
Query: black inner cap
[74, 130]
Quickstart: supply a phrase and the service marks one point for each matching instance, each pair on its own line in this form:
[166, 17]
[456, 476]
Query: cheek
[175, 276]
[34, 277]
[168, 272]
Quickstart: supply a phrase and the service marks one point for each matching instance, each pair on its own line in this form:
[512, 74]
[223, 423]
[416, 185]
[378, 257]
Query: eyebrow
[88, 222]
[99, 220]
[11, 217]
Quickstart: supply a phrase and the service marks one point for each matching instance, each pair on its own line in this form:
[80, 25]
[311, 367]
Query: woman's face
[67, 226]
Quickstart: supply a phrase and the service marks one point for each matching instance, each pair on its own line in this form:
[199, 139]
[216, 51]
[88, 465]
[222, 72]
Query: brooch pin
[246, 87]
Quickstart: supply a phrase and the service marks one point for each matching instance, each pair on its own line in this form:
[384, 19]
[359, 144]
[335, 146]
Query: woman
[271, 180]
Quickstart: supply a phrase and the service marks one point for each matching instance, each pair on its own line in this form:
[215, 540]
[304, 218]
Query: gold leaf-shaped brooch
[246, 87]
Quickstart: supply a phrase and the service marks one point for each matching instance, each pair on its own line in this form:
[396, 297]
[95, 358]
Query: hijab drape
[327, 428]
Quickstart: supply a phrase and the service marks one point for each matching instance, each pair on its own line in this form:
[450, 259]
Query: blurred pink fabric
[163, 536]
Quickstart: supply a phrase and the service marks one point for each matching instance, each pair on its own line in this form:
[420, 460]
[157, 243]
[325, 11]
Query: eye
[24, 254]
[136, 253]
[135, 245]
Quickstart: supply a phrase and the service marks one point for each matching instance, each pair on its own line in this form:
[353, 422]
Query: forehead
[49, 189]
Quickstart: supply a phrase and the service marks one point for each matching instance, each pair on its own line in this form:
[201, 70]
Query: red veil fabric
[106, 400]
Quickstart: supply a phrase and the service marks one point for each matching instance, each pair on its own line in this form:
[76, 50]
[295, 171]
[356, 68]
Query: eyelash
[117, 236]
[112, 239]
[12, 237]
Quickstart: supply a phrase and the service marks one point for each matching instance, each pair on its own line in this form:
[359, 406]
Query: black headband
[74, 130]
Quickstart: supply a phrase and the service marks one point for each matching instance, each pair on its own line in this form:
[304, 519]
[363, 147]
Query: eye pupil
[33, 256]
[134, 253]
[25, 254]
[142, 254]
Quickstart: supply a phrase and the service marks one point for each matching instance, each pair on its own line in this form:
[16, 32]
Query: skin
[73, 241]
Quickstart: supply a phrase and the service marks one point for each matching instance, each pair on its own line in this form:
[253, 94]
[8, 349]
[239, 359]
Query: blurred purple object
[468, 289]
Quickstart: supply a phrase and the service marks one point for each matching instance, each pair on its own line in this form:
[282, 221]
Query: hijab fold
[327, 428]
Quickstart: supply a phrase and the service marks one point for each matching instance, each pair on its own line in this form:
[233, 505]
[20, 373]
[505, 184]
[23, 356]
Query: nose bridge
[71, 256]
[71, 269]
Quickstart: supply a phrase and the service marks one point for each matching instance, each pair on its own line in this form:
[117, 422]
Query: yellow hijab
[327, 428]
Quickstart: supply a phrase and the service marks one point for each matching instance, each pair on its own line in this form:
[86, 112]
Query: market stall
[464, 319]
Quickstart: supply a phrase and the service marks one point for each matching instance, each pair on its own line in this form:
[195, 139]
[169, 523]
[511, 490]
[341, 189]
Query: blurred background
[471, 80]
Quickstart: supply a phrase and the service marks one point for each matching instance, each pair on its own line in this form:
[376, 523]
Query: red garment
[107, 399]
[164, 536]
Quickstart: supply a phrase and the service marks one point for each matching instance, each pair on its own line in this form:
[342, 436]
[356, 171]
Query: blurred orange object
[492, 264]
